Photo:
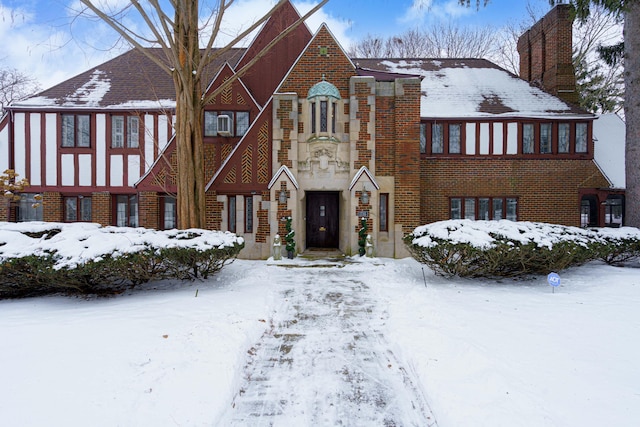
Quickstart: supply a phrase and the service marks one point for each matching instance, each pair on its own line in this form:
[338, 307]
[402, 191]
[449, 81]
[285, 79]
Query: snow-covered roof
[131, 81]
[459, 88]
[609, 135]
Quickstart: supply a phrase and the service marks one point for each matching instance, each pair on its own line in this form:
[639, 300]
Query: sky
[47, 40]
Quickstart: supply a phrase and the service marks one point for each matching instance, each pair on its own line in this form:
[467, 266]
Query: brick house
[314, 135]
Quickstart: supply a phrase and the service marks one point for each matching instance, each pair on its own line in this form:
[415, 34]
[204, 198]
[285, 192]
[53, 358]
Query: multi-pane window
[545, 138]
[76, 130]
[232, 214]
[484, 208]
[127, 210]
[248, 214]
[384, 211]
[528, 138]
[437, 142]
[169, 217]
[454, 138]
[29, 208]
[125, 129]
[564, 137]
[77, 208]
[581, 137]
[238, 123]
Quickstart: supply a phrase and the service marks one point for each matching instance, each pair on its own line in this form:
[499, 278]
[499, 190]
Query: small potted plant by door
[289, 239]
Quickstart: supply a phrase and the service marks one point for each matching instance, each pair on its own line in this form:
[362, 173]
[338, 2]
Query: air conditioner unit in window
[224, 125]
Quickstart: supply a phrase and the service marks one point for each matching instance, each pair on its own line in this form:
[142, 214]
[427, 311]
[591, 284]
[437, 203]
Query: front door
[322, 219]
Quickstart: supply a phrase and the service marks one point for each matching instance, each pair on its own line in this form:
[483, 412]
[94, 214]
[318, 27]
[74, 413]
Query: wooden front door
[322, 219]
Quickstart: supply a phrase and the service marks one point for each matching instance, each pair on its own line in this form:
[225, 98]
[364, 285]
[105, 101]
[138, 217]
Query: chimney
[546, 54]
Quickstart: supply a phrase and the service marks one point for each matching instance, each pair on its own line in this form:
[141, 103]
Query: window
[77, 208]
[483, 208]
[545, 138]
[29, 208]
[248, 214]
[313, 117]
[127, 210]
[232, 214]
[169, 217]
[119, 130]
[563, 137]
[384, 211]
[323, 116]
[456, 208]
[497, 209]
[437, 145]
[334, 109]
[238, 123]
[527, 138]
[581, 137]
[423, 138]
[76, 130]
[613, 210]
[454, 138]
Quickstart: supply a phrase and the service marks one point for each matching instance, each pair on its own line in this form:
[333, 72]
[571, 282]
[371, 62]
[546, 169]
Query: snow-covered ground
[484, 353]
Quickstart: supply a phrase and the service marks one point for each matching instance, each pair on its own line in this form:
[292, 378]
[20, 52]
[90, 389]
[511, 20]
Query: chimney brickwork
[546, 54]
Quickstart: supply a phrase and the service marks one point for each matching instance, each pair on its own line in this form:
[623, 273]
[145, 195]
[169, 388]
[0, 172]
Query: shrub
[504, 248]
[81, 259]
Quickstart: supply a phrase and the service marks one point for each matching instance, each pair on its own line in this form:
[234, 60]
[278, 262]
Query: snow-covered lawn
[486, 353]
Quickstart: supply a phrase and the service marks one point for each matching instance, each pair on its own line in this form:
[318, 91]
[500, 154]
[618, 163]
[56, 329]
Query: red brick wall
[407, 155]
[362, 91]
[52, 207]
[314, 64]
[213, 214]
[546, 54]
[148, 215]
[263, 230]
[547, 190]
[283, 113]
[101, 208]
[385, 135]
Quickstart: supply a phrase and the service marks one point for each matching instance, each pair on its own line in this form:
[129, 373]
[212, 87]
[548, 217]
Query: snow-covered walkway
[325, 362]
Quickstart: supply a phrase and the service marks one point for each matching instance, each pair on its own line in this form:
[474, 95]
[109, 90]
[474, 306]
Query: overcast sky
[46, 39]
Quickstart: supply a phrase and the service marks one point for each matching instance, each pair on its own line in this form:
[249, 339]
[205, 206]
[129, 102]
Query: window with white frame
[237, 122]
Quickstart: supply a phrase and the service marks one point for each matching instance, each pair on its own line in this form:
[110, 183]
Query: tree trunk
[632, 111]
[189, 112]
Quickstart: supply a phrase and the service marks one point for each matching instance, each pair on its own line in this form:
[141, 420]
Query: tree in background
[186, 32]
[15, 85]
[437, 41]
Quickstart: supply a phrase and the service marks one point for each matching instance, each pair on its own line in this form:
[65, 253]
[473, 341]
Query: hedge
[504, 248]
[38, 258]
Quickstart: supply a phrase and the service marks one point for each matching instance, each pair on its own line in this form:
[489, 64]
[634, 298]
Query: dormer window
[323, 98]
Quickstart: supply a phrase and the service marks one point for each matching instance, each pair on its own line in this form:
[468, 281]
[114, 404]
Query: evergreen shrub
[504, 248]
[86, 259]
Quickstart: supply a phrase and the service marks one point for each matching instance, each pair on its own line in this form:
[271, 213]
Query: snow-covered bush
[38, 258]
[507, 249]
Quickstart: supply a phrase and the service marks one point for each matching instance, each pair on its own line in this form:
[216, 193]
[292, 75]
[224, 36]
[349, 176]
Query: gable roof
[472, 88]
[129, 81]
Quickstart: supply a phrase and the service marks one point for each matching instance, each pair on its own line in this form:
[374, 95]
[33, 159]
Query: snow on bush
[36, 257]
[508, 248]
